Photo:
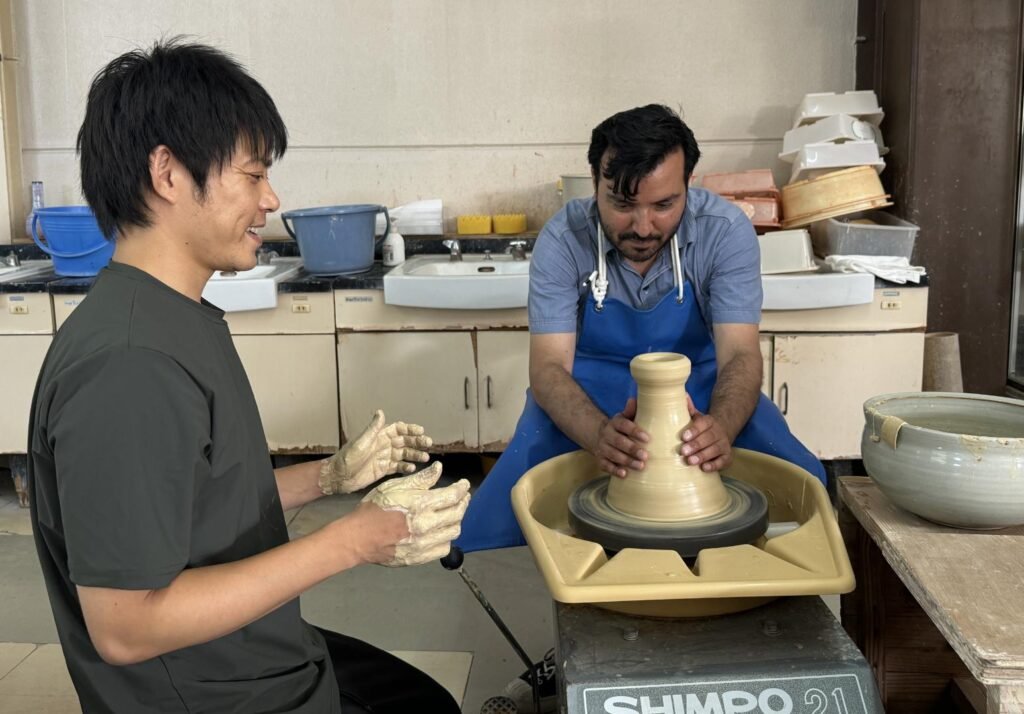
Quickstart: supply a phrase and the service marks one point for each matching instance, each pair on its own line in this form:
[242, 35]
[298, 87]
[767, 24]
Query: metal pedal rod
[453, 561]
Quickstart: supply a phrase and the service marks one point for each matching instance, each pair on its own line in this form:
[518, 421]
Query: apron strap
[599, 279]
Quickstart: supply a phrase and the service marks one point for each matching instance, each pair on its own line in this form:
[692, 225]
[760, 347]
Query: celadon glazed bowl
[955, 459]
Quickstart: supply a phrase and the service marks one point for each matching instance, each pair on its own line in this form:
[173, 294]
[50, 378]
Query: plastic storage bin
[786, 252]
[741, 184]
[864, 233]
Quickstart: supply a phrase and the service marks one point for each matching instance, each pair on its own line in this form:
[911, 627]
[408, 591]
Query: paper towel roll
[942, 363]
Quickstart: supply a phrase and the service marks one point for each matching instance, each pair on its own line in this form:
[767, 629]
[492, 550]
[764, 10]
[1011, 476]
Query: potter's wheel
[743, 520]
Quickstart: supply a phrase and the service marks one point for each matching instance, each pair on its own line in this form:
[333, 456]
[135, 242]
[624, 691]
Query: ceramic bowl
[955, 459]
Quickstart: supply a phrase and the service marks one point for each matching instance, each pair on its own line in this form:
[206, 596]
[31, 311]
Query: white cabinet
[26, 331]
[821, 382]
[289, 356]
[502, 377]
[426, 378]
[295, 381]
[466, 388]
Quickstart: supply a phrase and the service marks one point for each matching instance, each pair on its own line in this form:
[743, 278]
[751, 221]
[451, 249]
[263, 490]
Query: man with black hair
[158, 517]
[646, 265]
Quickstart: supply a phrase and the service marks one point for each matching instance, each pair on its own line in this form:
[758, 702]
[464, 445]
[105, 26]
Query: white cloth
[895, 269]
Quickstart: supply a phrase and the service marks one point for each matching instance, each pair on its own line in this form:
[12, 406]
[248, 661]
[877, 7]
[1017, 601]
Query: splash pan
[808, 560]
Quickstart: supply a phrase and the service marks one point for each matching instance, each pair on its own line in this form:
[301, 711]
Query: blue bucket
[73, 240]
[336, 240]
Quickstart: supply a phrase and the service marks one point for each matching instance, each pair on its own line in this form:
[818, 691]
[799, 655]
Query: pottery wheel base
[743, 521]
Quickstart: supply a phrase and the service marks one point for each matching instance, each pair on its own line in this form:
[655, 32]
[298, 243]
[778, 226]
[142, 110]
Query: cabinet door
[766, 365]
[503, 367]
[427, 378]
[295, 381]
[23, 357]
[822, 381]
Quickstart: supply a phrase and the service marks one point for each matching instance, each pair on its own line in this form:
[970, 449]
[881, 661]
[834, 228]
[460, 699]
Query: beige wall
[482, 103]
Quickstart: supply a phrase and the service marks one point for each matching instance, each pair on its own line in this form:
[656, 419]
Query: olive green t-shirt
[147, 457]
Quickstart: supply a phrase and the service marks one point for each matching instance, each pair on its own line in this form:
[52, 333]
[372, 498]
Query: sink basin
[809, 291]
[27, 269]
[254, 289]
[474, 283]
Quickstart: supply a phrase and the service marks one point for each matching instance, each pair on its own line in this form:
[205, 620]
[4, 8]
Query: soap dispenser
[393, 248]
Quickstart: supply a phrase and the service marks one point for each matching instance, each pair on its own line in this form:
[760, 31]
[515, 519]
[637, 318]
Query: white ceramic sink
[808, 291]
[474, 283]
[254, 289]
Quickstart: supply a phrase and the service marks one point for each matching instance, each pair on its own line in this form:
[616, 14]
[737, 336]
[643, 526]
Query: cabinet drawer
[296, 313]
[365, 310]
[26, 314]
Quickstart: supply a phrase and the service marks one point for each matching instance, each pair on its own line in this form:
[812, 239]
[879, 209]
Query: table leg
[19, 472]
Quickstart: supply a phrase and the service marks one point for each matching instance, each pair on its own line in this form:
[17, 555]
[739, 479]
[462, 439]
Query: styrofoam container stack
[833, 131]
[416, 218]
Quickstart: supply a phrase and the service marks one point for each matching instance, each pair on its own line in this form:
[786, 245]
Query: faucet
[452, 244]
[263, 257]
[518, 249]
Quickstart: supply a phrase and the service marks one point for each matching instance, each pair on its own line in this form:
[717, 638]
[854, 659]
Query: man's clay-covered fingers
[618, 442]
[695, 428]
[436, 536]
[409, 454]
[414, 441]
[400, 428]
[719, 463]
[630, 428]
[426, 478]
[388, 466]
[419, 556]
[439, 498]
[614, 469]
[425, 522]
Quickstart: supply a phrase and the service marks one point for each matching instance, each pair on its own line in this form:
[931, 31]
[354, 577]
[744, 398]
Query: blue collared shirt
[719, 251]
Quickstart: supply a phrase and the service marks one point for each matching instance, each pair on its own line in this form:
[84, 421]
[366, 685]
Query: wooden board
[970, 583]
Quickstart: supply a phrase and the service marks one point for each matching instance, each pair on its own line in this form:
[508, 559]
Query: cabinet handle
[784, 397]
[488, 391]
[465, 392]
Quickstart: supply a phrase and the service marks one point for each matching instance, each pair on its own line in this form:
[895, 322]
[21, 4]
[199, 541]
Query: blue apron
[609, 338]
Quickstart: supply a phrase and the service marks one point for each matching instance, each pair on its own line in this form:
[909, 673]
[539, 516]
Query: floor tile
[18, 704]
[43, 672]
[14, 520]
[11, 655]
[449, 669]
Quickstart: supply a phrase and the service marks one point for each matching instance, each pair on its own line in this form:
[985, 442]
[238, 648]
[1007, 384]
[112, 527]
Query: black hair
[192, 98]
[639, 139]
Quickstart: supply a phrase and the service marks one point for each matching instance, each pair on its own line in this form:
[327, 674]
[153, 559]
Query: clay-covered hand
[620, 443]
[705, 442]
[432, 515]
[381, 450]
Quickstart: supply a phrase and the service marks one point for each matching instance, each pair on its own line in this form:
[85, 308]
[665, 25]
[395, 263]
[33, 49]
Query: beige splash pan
[810, 560]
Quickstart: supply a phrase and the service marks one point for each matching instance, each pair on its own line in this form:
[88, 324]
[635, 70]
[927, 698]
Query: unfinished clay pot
[667, 489]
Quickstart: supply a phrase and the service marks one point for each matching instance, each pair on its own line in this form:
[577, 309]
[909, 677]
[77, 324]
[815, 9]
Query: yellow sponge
[510, 223]
[473, 225]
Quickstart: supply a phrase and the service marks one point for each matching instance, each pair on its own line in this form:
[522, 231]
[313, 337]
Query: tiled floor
[425, 615]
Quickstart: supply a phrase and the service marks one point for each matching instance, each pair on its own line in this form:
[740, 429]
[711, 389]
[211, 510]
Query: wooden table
[933, 604]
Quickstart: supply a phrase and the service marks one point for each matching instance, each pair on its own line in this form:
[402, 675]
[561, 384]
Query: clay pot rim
[875, 416]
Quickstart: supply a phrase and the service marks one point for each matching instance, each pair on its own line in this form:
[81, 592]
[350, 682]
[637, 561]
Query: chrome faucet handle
[11, 260]
[454, 246]
[263, 257]
[517, 248]
[487, 255]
